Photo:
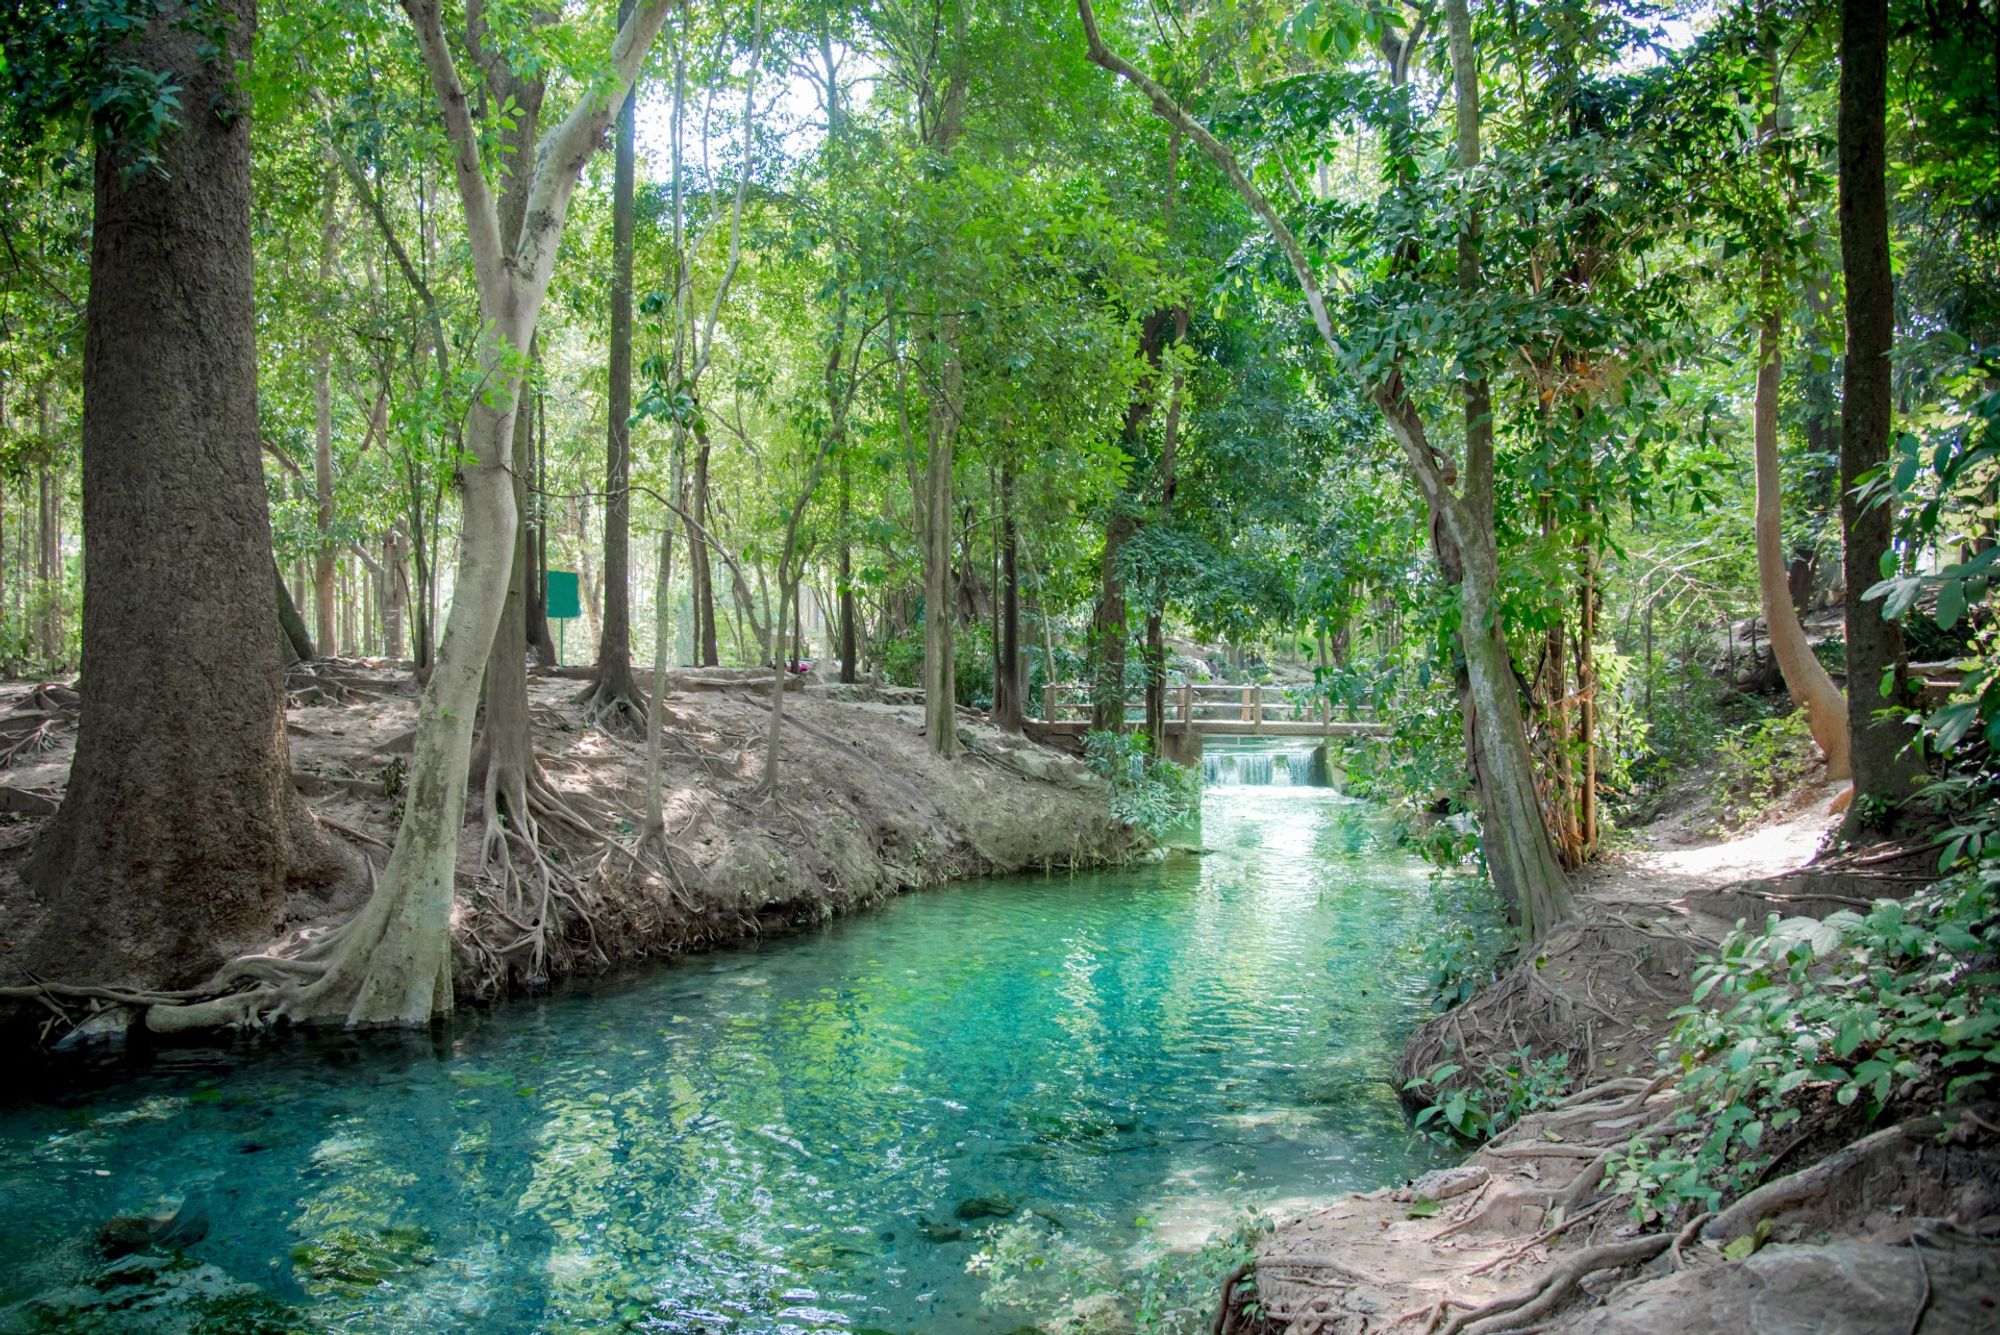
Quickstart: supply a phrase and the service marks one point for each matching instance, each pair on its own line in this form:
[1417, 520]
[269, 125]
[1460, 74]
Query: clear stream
[812, 1134]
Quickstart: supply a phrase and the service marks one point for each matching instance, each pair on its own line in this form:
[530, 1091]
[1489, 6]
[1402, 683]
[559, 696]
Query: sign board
[561, 594]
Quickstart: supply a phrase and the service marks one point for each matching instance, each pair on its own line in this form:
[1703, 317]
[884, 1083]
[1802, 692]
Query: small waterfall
[1261, 769]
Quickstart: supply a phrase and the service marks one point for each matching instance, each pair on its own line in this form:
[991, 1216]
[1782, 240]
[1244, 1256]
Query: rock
[985, 1207]
[932, 1231]
[164, 1232]
[1844, 1288]
[1444, 1184]
[109, 1025]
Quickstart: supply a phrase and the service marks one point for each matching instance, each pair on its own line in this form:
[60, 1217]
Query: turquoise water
[814, 1134]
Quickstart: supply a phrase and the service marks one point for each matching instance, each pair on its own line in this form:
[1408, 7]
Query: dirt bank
[863, 810]
[1897, 1232]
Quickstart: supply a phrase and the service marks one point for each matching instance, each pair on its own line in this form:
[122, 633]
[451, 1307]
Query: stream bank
[1853, 1229]
[863, 810]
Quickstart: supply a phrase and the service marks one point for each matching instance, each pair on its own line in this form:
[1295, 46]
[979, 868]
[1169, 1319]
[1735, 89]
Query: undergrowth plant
[1898, 1006]
[1150, 794]
[1505, 1092]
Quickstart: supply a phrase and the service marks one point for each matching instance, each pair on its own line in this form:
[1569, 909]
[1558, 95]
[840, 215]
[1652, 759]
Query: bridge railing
[1250, 704]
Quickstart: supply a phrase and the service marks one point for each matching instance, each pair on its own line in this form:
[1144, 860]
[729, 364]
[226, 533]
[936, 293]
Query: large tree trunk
[614, 697]
[1519, 853]
[1884, 766]
[180, 833]
[1811, 689]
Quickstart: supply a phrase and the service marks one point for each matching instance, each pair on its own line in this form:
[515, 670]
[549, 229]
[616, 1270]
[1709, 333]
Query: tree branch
[564, 152]
[482, 223]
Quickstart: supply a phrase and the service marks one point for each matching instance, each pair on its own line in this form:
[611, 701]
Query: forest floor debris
[863, 810]
[1527, 1234]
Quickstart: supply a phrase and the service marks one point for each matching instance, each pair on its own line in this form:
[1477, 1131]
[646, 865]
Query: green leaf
[1422, 1208]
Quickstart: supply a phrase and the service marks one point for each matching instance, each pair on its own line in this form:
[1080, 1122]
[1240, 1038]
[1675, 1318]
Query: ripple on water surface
[812, 1135]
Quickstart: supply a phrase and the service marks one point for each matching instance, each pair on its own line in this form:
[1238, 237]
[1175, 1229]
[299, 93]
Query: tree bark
[180, 833]
[848, 611]
[1807, 681]
[289, 621]
[1879, 739]
[615, 696]
[1007, 710]
[700, 573]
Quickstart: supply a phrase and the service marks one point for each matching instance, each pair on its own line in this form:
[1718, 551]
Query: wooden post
[1051, 701]
[1187, 708]
[1257, 708]
[1243, 711]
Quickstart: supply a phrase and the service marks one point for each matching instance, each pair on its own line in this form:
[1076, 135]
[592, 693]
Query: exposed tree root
[1550, 1290]
[617, 708]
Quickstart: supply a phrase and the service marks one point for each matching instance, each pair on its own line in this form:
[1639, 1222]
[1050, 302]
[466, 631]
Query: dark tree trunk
[700, 572]
[1884, 766]
[536, 520]
[1007, 707]
[289, 620]
[615, 695]
[180, 832]
[847, 608]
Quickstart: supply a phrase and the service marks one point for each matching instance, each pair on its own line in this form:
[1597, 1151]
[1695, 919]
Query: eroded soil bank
[1854, 1229]
[862, 810]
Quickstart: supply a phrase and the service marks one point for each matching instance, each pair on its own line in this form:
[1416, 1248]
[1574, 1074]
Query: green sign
[561, 594]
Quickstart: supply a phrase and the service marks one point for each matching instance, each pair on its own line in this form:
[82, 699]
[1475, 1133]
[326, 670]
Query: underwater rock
[985, 1207]
[184, 1227]
[932, 1231]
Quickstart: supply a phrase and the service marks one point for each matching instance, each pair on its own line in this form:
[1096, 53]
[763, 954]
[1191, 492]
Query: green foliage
[1761, 762]
[1151, 795]
[1503, 1094]
[1898, 1005]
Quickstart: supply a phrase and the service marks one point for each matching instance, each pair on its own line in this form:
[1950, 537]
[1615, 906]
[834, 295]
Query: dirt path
[1512, 1237]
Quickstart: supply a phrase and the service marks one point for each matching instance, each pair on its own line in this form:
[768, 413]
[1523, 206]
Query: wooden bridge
[1208, 709]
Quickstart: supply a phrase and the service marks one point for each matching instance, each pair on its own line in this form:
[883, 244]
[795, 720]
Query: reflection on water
[810, 1135]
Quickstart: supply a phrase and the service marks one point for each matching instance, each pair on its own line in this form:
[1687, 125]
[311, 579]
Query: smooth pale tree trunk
[615, 696]
[1879, 739]
[1806, 680]
[179, 834]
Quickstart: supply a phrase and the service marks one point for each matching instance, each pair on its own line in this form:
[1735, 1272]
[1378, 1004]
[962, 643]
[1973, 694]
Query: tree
[614, 698]
[1811, 688]
[391, 963]
[180, 835]
[1880, 734]
[1462, 502]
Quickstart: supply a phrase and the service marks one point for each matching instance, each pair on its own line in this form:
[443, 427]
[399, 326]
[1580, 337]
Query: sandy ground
[862, 810]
